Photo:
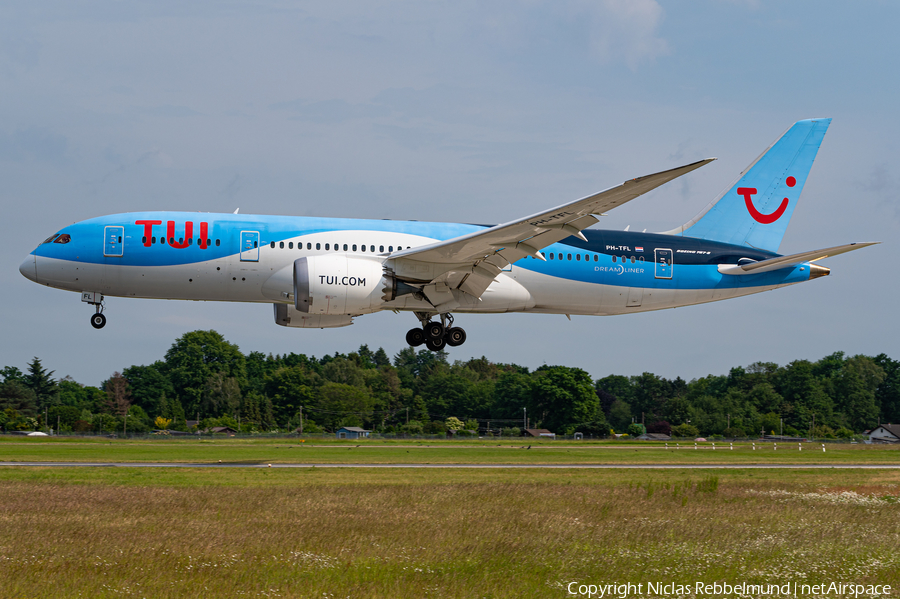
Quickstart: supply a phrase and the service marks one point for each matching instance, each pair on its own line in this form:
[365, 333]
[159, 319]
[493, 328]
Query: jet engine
[338, 284]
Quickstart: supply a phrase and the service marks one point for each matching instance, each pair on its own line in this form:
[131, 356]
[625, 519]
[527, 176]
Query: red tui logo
[766, 219]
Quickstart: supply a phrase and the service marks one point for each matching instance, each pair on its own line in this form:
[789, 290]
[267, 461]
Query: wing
[471, 262]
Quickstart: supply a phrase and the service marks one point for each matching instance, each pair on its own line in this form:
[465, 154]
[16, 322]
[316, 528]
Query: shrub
[686, 430]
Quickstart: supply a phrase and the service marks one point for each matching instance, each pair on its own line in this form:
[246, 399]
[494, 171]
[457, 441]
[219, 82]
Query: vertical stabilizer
[756, 209]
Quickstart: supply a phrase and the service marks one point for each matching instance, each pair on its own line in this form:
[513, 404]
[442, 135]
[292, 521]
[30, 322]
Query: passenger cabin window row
[587, 257]
[337, 247]
[162, 240]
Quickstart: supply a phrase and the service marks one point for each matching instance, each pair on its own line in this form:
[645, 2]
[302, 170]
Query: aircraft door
[664, 264]
[249, 246]
[113, 238]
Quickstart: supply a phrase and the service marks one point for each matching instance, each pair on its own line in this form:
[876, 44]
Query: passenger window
[362, 247]
[354, 247]
[568, 256]
[190, 241]
[281, 245]
[381, 248]
[162, 240]
[327, 246]
[345, 247]
[318, 246]
[290, 245]
[632, 259]
[217, 242]
[642, 258]
[144, 239]
[390, 248]
[208, 240]
[552, 256]
[614, 258]
[153, 240]
[272, 245]
[50, 239]
[578, 257]
[256, 244]
[309, 246]
[371, 248]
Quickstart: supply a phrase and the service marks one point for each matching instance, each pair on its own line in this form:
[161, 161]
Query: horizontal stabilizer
[755, 268]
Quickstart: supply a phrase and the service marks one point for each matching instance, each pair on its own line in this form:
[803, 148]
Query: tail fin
[756, 209]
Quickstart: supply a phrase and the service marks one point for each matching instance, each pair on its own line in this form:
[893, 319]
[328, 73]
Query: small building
[885, 433]
[352, 432]
[539, 432]
[654, 437]
[222, 430]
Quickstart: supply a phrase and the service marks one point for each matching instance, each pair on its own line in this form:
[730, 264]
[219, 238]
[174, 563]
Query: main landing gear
[436, 335]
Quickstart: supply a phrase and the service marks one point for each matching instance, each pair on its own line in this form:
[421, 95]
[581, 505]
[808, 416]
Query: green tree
[344, 405]
[196, 356]
[620, 415]
[454, 424]
[856, 386]
[149, 385]
[221, 396]
[562, 396]
[14, 395]
[289, 388]
[41, 383]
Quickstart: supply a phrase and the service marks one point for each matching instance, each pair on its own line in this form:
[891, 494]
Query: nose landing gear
[98, 320]
[436, 335]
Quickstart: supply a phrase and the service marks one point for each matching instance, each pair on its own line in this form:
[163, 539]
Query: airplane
[324, 272]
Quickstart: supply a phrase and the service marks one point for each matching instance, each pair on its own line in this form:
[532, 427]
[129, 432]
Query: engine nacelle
[288, 316]
[338, 284]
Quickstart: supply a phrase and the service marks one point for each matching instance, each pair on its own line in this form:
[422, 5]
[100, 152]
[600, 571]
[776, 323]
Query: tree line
[206, 379]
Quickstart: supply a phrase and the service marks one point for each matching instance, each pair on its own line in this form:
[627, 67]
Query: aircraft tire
[436, 344]
[98, 320]
[434, 330]
[415, 337]
[456, 336]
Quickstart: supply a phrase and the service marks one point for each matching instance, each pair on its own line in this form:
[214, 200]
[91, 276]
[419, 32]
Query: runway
[843, 466]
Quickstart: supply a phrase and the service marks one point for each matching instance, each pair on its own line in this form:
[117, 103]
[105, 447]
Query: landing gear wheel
[455, 336]
[415, 337]
[98, 320]
[436, 344]
[434, 331]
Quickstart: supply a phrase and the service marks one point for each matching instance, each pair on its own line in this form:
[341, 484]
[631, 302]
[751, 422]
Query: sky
[466, 112]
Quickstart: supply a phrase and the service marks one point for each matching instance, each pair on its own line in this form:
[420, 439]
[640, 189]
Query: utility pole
[125, 424]
[301, 420]
[407, 414]
[525, 417]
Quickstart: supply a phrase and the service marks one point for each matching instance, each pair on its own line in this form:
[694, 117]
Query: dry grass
[473, 534]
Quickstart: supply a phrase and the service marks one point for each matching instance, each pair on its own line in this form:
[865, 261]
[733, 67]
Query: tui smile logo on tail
[766, 219]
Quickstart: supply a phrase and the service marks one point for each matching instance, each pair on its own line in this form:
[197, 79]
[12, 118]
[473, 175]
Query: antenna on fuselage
[235, 210]
[628, 227]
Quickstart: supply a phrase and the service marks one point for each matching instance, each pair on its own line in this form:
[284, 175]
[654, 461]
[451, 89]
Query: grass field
[261, 451]
[312, 532]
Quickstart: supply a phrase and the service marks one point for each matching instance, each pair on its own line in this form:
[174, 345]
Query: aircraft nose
[28, 268]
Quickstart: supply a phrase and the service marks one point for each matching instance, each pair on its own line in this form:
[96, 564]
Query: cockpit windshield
[50, 239]
[64, 238]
